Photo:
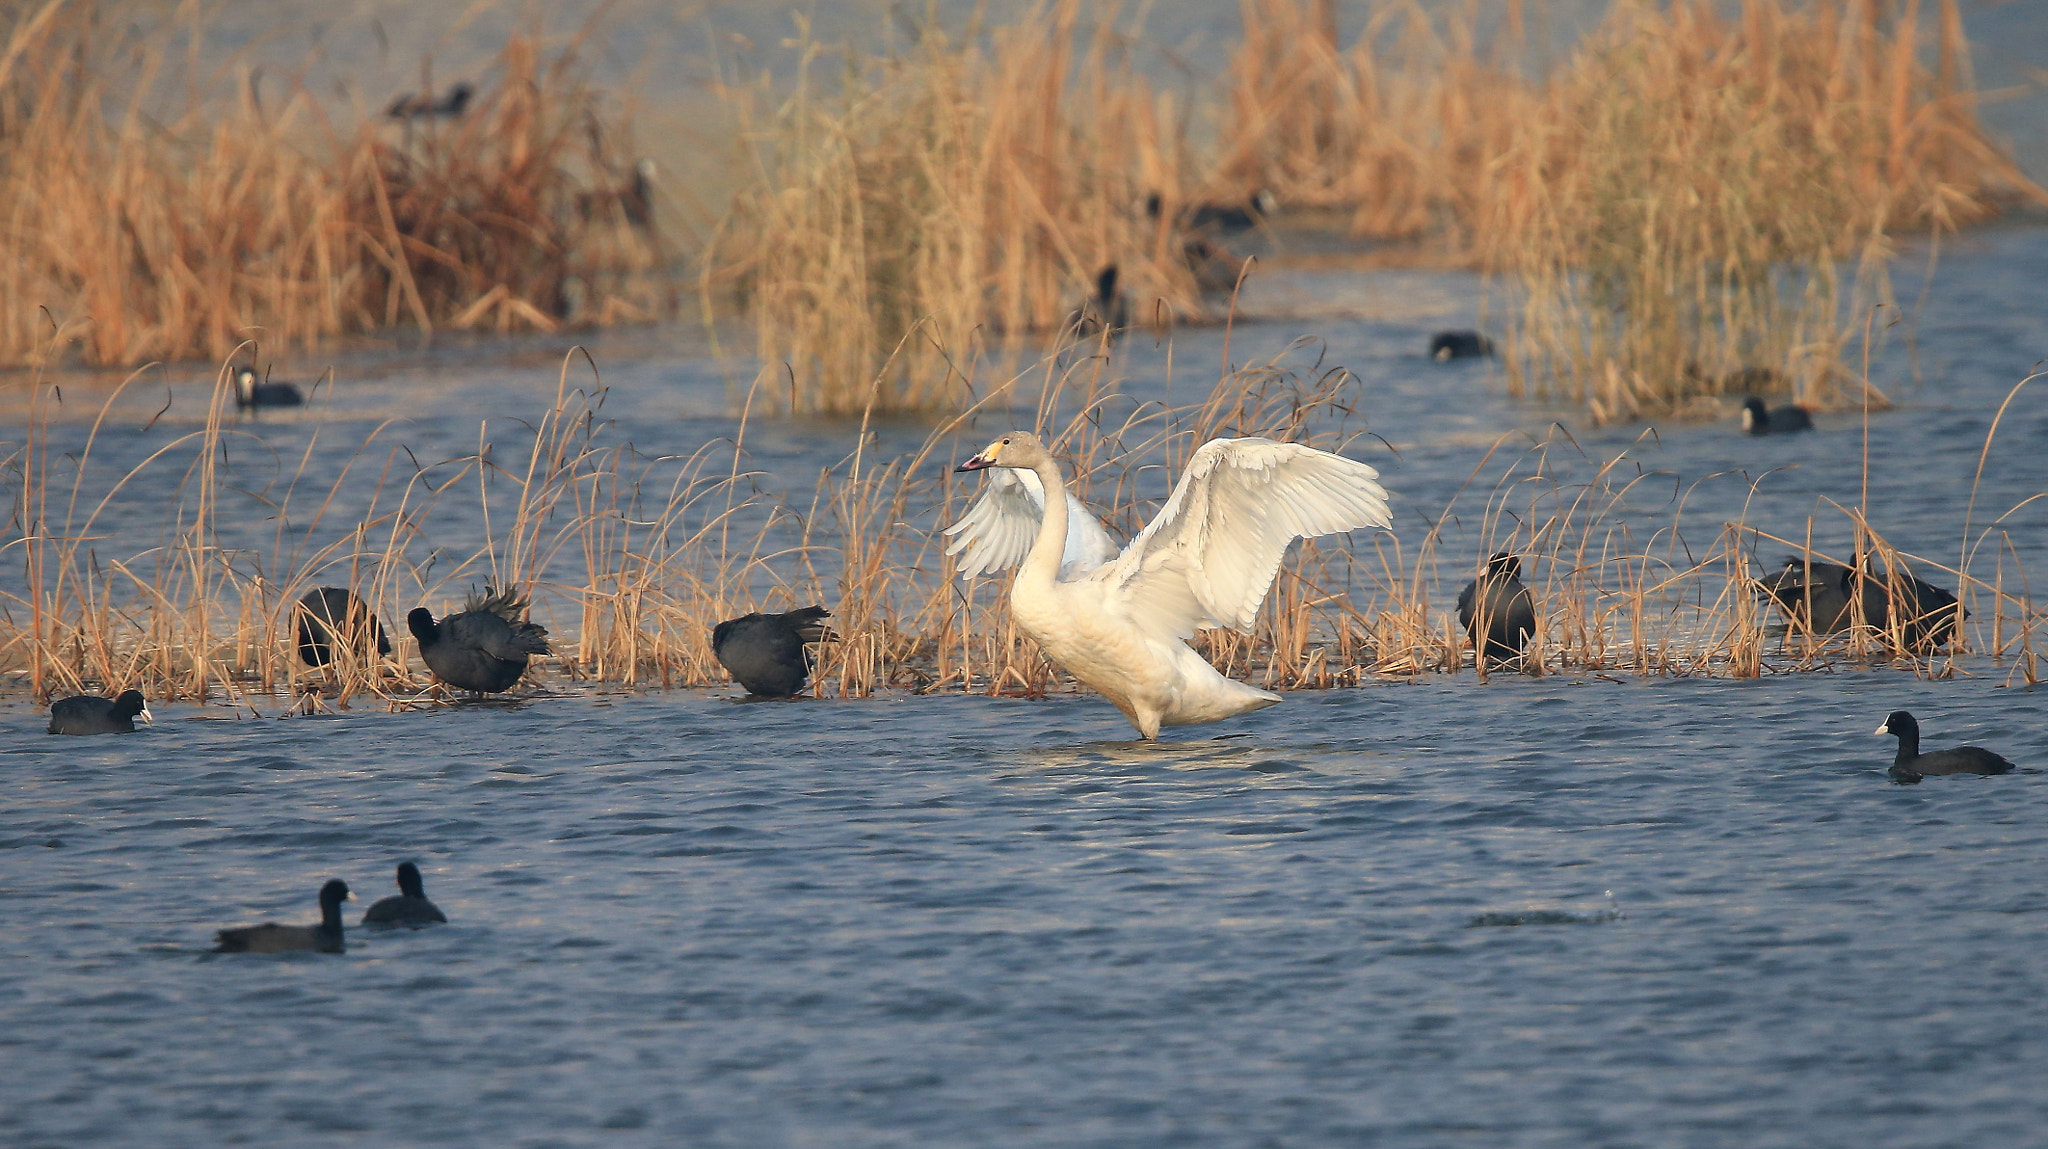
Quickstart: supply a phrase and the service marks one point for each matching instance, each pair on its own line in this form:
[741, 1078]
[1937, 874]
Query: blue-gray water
[1557, 913]
[1562, 912]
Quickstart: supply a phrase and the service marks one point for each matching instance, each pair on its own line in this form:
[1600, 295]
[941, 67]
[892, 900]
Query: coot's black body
[1760, 420]
[1217, 218]
[765, 652]
[426, 107]
[1446, 345]
[1925, 612]
[409, 908]
[1499, 603]
[1105, 311]
[86, 714]
[1909, 766]
[1830, 590]
[332, 618]
[485, 647]
[271, 938]
[250, 393]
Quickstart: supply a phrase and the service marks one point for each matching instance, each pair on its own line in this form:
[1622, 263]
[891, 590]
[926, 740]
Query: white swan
[1120, 623]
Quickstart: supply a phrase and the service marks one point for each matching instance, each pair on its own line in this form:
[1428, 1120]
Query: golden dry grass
[943, 204]
[128, 233]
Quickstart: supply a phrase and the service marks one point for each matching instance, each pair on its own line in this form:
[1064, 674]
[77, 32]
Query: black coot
[1224, 218]
[1925, 611]
[1499, 605]
[1760, 420]
[1831, 590]
[1106, 311]
[86, 714]
[271, 938]
[409, 908]
[1446, 345]
[423, 106]
[765, 652]
[331, 618]
[250, 393]
[1910, 765]
[485, 647]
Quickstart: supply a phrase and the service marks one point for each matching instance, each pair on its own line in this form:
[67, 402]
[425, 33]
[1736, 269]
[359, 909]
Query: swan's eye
[1006, 442]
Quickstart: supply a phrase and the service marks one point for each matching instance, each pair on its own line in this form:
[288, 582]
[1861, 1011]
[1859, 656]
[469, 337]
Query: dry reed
[944, 202]
[142, 234]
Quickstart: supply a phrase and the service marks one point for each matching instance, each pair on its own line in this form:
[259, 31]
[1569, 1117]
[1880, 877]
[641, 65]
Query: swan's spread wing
[997, 530]
[1209, 558]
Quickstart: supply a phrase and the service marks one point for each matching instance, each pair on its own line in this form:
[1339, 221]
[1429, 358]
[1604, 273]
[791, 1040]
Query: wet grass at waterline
[632, 560]
[160, 226]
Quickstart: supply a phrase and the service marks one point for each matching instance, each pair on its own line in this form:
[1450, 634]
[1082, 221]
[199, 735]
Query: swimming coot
[1447, 345]
[1760, 420]
[409, 908]
[250, 393]
[86, 714]
[271, 938]
[485, 647]
[1910, 765]
[1498, 604]
[765, 652]
[332, 618]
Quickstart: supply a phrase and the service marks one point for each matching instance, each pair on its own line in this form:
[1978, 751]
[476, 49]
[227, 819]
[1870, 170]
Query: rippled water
[1560, 912]
[1556, 912]
[1547, 912]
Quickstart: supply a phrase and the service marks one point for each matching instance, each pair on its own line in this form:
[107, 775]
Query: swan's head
[1020, 449]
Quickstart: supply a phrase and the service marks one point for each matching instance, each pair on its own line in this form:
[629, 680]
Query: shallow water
[1560, 912]
[1557, 912]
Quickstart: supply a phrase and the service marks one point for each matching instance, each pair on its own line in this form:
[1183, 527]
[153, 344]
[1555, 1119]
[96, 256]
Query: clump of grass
[1690, 207]
[144, 234]
[1402, 130]
[943, 202]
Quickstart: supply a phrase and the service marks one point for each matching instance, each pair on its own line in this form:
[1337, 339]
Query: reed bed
[129, 233]
[631, 560]
[944, 203]
[1702, 204]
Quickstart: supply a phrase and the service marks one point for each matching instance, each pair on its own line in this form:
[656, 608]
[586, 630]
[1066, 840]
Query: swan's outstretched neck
[1043, 563]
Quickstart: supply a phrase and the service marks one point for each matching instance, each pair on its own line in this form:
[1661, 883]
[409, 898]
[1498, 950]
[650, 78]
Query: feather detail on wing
[997, 531]
[1211, 554]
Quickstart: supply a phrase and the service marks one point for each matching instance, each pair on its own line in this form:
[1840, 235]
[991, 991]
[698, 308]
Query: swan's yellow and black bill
[977, 463]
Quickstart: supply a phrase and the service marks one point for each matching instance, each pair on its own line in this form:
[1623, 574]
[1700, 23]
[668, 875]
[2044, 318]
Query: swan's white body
[1119, 621]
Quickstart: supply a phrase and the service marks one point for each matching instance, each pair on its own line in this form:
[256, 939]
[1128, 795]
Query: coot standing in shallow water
[409, 908]
[85, 714]
[1927, 612]
[271, 938]
[1760, 420]
[1498, 603]
[250, 393]
[332, 618]
[485, 647]
[1823, 596]
[1910, 765]
[765, 652]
